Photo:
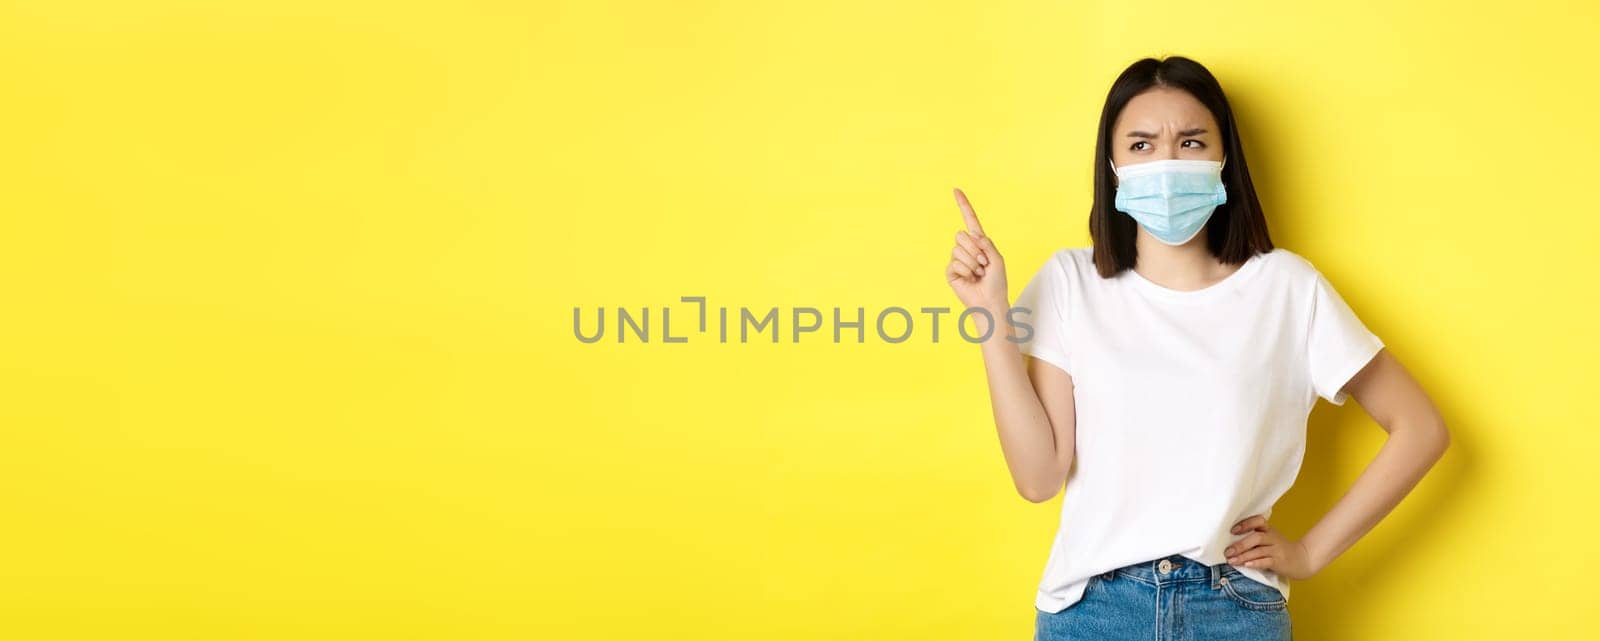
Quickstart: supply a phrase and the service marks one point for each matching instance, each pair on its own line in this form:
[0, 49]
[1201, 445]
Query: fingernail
[980, 269]
[982, 259]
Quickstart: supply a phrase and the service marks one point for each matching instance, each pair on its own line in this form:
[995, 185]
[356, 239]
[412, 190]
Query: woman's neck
[1185, 267]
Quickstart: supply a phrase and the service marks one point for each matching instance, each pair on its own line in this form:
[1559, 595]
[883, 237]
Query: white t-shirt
[1191, 405]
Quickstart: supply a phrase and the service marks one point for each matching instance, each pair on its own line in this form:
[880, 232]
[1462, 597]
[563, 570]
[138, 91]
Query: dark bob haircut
[1237, 229]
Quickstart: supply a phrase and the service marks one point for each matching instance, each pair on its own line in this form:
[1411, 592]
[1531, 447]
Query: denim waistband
[1170, 569]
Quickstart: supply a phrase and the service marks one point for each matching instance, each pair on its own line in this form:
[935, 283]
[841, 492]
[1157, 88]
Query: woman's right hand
[1032, 400]
[976, 272]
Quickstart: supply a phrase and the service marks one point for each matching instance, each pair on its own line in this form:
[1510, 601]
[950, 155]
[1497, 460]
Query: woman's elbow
[1041, 492]
[1430, 431]
[1441, 437]
[1036, 495]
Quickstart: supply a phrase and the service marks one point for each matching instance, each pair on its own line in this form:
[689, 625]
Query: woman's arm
[1036, 436]
[1417, 439]
[1034, 413]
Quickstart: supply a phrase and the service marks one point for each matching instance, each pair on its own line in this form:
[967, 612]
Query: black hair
[1237, 229]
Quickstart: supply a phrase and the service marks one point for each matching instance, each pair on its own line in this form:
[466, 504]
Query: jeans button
[1165, 566]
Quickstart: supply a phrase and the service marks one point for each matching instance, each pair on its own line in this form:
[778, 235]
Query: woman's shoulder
[1065, 265]
[1292, 269]
[1284, 260]
[1073, 259]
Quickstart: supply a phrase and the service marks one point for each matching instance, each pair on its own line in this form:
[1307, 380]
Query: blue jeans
[1171, 598]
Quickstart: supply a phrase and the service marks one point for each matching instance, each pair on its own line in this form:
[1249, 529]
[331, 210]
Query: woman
[1164, 376]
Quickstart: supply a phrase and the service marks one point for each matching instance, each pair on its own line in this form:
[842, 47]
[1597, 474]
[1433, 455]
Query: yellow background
[287, 345]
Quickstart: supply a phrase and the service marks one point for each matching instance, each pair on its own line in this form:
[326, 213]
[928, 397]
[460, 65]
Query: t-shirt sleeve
[1045, 299]
[1339, 343]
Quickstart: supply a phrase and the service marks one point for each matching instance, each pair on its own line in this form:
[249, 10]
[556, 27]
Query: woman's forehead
[1162, 108]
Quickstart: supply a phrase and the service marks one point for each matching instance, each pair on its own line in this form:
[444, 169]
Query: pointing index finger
[966, 213]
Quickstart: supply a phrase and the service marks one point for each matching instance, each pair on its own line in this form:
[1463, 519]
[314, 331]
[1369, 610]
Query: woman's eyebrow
[1187, 132]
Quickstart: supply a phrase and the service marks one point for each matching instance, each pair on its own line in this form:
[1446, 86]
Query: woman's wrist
[991, 323]
[1316, 557]
[997, 307]
[988, 321]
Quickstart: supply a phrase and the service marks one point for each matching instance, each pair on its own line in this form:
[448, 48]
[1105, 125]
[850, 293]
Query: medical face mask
[1171, 199]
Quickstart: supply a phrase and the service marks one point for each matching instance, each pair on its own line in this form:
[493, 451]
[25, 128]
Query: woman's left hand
[1265, 548]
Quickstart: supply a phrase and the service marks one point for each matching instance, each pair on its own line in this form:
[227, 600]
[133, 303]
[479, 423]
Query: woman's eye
[1199, 145]
[1135, 146]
